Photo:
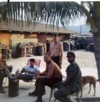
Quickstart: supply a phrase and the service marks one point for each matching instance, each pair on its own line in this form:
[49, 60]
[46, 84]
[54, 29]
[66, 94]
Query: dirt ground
[85, 59]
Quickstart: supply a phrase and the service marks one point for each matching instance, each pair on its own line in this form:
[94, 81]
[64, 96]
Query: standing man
[49, 77]
[56, 51]
[73, 82]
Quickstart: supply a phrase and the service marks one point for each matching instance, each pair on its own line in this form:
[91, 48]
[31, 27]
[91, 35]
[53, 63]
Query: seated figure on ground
[72, 84]
[49, 77]
[5, 71]
[29, 72]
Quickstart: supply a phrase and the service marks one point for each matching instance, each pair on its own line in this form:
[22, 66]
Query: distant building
[12, 33]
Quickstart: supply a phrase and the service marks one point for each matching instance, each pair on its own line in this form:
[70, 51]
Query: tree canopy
[48, 12]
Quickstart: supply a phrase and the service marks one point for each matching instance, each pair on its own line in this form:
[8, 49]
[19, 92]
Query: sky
[77, 22]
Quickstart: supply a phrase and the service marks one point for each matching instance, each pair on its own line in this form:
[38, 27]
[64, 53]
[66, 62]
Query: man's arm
[61, 50]
[31, 72]
[47, 75]
[50, 49]
[43, 73]
[50, 71]
[23, 70]
[35, 71]
[70, 78]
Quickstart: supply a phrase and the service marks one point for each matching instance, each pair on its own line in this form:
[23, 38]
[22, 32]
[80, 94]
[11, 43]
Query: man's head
[70, 56]
[55, 38]
[32, 62]
[47, 57]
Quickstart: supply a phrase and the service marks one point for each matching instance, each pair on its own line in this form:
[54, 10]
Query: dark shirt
[76, 80]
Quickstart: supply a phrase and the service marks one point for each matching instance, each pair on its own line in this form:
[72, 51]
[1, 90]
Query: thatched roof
[40, 28]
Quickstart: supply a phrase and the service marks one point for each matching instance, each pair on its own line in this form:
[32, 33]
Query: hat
[71, 54]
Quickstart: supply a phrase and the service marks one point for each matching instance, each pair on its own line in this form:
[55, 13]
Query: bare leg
[94, 86]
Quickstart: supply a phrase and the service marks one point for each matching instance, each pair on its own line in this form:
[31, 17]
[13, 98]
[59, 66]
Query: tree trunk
[97, 51]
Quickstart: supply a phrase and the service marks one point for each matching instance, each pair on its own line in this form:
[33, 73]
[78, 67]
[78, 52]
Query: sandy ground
[86, 61]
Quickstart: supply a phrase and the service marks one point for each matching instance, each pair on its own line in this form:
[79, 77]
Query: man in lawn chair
[29, 72]
[5, 71]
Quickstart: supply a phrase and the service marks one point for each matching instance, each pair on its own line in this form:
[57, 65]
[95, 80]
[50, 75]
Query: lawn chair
[37, 63]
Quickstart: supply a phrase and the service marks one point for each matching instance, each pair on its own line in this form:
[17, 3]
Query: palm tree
[56, 13]
[93, 18]
[48, 12]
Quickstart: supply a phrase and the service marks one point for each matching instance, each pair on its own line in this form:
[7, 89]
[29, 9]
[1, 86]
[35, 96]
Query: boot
[10, 67]
[7, 72]
[39, 99]
[1, 82]
[2, 90]
[34, 93]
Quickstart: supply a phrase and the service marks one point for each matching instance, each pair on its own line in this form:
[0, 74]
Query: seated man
[29, 72]
[73, 82]
[49, 77]
[5, 71]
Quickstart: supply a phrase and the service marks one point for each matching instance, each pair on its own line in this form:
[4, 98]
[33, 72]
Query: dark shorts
[56, 60]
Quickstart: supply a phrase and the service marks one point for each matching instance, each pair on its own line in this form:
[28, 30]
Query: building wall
[5, 38]
[50, 37]
[42, 38]
[23, 38]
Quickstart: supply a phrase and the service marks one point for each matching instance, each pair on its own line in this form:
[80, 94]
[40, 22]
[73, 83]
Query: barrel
[19, 52]
[66, 46]
[33, 50]
[5, 54]
[13, 87]
[14, 53]
[39, 50]
[91, 47]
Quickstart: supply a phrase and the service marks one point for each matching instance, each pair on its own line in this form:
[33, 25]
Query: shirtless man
[49, 77]
[56, 51]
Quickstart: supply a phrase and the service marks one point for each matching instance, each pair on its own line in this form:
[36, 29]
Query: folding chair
[55, 86]
[37, 64]
[53, 89]
[75, 93]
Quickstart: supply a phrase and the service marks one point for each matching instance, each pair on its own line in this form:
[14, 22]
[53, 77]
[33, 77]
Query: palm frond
[93, 16]
[49, 12]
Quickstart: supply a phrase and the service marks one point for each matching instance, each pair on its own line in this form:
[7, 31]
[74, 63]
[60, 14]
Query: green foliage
[93, 14]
